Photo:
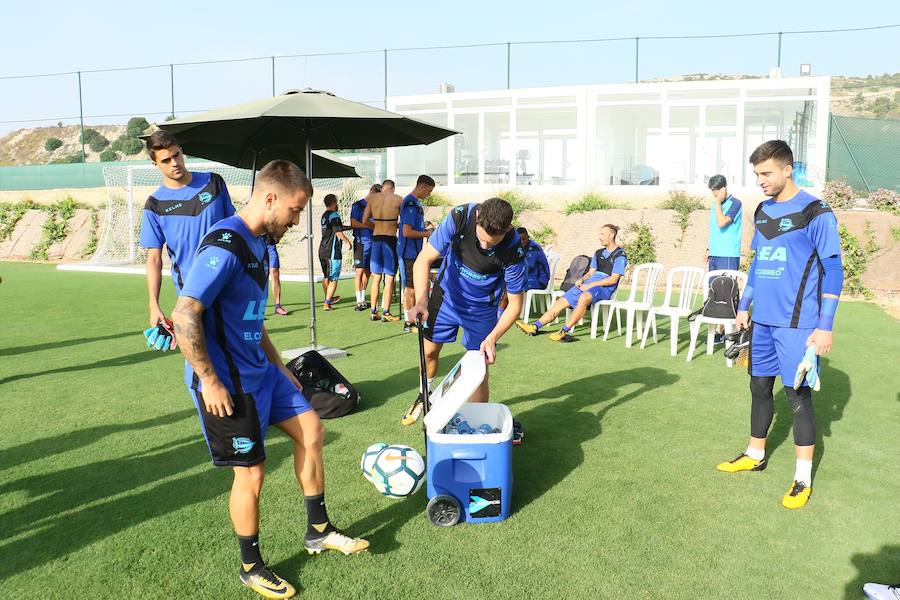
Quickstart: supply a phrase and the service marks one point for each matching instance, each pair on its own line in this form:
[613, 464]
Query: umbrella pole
[309, 247]
[253, 173]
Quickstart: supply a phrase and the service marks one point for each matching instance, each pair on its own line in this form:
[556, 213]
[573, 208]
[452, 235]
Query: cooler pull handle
[468, 455]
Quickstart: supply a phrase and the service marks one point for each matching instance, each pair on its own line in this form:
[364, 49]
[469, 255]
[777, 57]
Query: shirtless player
[384, 209]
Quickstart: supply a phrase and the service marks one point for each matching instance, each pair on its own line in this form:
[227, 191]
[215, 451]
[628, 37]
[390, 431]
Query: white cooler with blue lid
[474, 469]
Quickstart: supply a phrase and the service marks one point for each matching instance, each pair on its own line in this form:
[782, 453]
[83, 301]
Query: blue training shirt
[537, 265]
[466, 282]
[179, 218]
[412, 214]
[790, 240]
[361, 235]
[233, 287]
[726, 241]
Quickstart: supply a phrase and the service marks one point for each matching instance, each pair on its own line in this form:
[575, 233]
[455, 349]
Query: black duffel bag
[329, 392]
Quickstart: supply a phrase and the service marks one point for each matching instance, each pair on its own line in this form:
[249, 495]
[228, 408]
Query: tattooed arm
[188, 320]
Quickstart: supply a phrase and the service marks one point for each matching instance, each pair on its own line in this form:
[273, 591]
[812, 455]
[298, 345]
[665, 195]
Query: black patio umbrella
[307, 119]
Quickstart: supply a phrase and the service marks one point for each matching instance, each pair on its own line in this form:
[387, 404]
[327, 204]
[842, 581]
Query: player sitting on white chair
[599, 283]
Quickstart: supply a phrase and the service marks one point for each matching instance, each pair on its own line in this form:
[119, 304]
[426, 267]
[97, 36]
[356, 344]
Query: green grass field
[106, 490]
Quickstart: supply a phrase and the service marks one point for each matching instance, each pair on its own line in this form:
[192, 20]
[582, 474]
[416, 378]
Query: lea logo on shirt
[254, 312]
[772, 253]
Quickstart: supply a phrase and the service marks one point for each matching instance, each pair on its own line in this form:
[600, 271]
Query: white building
[666, 133]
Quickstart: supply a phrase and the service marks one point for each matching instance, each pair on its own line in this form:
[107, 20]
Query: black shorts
[406, 272]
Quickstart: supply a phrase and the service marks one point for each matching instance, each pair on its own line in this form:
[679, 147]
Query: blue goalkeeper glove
[808, 370]
[161, 337]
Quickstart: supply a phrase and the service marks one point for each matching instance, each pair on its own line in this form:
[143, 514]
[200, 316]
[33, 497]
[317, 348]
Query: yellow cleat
[526, 328]
[415, 411]
[797, 496]
[334, 540]
[561, 336]
[389, 318]
[375, 316]
[267, 584]
[742, 463]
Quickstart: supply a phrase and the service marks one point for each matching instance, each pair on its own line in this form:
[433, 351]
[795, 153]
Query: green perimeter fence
[865, 152]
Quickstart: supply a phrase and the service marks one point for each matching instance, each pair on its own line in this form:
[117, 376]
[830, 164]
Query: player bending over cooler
[481, 255]
[793, 286]
[599, 283]
[235, 375]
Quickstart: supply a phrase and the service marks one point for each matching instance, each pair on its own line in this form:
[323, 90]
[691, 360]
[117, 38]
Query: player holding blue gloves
[794, 286]
[177, 215]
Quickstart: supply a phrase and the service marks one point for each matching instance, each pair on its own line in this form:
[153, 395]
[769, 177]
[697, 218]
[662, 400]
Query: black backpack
[580, 265]
[721, 301]
[319, 380]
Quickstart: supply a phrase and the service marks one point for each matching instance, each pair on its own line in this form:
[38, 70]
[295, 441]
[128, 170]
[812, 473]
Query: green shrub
[55, 227]
[136, 126]
[745, 262]
[885, 200]
[544, 235]
[91, 245]
[109, 155]
[642, 247]
[98, 143]
[68, 159]
[683, 204]
[895, 233]
[855, 257]
[436, 199]
[518, 202]
[591, 201]
[89, 135]
[838, 194]
[52, 144]
[130, 146]
[11, 214]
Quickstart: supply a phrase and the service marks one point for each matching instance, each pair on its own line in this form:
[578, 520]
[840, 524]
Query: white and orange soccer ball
[398, 471]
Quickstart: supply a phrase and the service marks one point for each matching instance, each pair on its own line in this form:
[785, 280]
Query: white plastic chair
[600, 312]
[638, 300]
[545, 295]
[689, 285]
[711, 322]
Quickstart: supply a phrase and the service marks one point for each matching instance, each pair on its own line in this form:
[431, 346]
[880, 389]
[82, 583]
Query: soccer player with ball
[794, 285]
[235, 375]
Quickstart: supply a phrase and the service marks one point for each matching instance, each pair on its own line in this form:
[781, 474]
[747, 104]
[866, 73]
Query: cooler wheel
[443, 511]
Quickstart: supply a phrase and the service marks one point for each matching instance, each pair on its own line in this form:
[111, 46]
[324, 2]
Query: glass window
[628, 149]
[412, 161]
[497, 146]
[721, 116]
[681, 160]
[479, 102]
[793, 121]
[698, 94]
[546, 146]
[768, 93]
[465, 161]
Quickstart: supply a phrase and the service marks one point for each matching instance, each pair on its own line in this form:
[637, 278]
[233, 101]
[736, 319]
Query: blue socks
[537, 324]
[565, 328]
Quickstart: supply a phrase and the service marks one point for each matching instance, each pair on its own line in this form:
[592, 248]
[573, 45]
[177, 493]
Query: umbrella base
[325, 351]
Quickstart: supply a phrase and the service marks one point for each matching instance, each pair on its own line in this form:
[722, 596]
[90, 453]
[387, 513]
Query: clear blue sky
[51, 37]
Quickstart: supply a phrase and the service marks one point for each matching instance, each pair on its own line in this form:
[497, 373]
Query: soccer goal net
[128, 187]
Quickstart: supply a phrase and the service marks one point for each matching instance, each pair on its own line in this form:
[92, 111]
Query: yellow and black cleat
[389, 318]
[562, 336]
[375, 316]
[797, 496]
[334, 540]
[526, 328]
[266, 583]
[742, 463]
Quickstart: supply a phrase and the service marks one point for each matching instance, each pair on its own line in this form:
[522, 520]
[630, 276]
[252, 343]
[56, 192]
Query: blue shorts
[239, 440]
[600, 292]
[384, 255]
[274, 263]
[777, 351]
[445, 318]
[362, 255]
[718, 263]
[331, 267]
